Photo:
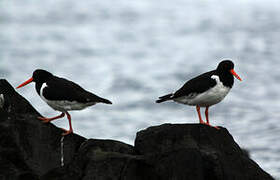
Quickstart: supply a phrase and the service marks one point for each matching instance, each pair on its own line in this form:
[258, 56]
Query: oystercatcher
[62, 95]
[206, 89]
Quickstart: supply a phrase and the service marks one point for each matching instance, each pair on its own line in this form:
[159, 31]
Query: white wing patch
[216, 78]
[44, 85]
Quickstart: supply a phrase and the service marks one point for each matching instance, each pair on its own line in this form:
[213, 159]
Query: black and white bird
[206, 89]
[62, 95]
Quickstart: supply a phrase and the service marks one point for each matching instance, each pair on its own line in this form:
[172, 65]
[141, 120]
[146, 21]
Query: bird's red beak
[236, 75]
[26, 82]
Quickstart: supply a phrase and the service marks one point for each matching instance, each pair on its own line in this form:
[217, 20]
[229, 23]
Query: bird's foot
[216, 127]
[45, 120]
[66, 132]
[210, 125]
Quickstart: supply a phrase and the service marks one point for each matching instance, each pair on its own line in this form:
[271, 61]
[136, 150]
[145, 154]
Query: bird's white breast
[210, 97]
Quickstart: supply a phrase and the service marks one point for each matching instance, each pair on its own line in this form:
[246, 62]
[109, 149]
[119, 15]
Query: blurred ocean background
[131, 52]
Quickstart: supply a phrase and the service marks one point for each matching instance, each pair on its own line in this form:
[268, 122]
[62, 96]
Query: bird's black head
[41, 76]
[225, 66]
[226, 71]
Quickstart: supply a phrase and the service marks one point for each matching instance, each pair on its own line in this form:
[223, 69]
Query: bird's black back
[63, 89]
[198, 84]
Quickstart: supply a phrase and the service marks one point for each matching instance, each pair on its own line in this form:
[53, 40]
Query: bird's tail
[164, 98]
[97, 99]
[106, 101]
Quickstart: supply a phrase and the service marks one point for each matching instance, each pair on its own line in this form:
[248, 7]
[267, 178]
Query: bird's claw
[216, 127]
[205, 123]
[66, 132]
[45, 120]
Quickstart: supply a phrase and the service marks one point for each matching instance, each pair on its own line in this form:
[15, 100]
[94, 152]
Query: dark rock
[27, 144]
[30, 149]
[102, 160]
[212, 154]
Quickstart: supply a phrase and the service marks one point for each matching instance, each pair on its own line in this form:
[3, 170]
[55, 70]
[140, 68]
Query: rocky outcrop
[30, 149]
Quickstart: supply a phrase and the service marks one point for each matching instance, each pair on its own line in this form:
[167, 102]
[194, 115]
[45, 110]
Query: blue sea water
[131, 52]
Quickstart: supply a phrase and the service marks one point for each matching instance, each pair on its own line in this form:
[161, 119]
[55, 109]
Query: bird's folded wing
[196, 85]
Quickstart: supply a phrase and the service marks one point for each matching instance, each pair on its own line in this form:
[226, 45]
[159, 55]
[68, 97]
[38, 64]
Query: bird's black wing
[196, 85]
[63, 89]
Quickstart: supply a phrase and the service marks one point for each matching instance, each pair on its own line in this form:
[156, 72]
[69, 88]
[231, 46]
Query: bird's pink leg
[70, 125]
[199, 115]
[46, 120]
[207, 118]
[206, 115]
